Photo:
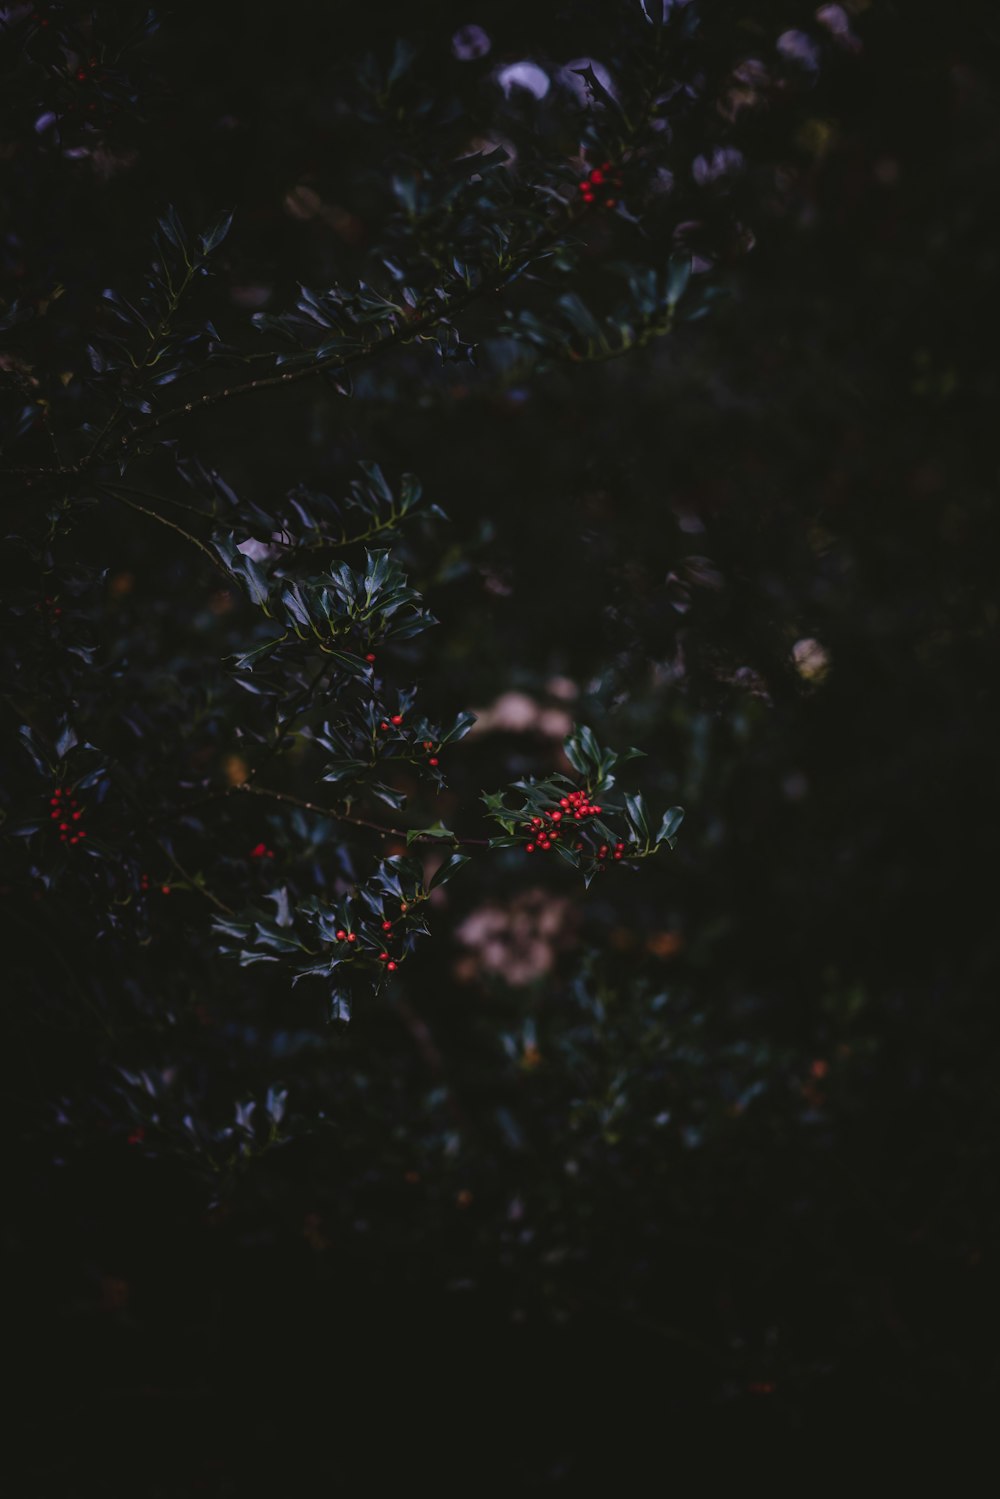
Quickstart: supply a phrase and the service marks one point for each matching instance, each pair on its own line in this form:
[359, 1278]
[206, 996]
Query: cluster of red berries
[343, 935]
[544, 831]
[261, 851]
[601, 180]
[393, 722]
[66, 814]
[145, 882]
[432, 759]
[617, 853]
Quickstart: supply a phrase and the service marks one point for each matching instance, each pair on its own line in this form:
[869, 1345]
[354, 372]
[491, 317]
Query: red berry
[383, 724]
[536, 822]
[433, 760]
[383, 957]
[387, 926]
[352, 937]
[402, 905]
[63, 827]
[529, 848]
[390, 967]
[370, 658]
[555, 816]
[341, 935]
[77, 815]
[397, 719]
[164, 889]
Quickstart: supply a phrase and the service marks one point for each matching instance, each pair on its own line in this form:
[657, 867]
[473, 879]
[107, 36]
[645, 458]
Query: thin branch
[359, 822]
[220, 905]
[402, 332]
[118, 493]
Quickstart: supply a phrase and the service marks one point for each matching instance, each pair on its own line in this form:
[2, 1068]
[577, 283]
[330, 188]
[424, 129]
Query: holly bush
[275, 708]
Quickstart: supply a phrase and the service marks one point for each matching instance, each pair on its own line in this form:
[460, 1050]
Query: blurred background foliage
[713, 1146]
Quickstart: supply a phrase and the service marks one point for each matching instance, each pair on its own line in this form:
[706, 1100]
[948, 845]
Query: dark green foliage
[655, 1133]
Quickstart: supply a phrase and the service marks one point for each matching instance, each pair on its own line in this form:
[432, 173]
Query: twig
[118, 493]
[220, 905]
[359, 822]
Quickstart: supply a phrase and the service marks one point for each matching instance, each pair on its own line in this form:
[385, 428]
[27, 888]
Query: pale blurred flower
[469, 43]
[723, 161]
[838, 23]
[517, 713]
[554, 723]
[799, 47]
[812, 660]
[524, 75]
[518, 942]
[262, 551]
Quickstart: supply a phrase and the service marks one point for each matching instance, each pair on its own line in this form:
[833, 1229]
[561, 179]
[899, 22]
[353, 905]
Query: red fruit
[402, 905]
[164, 889]
[555, 816]
[352, 937]
[433, 760]
[397, 719]
[390, 967]
[597, 175]
[536, 822]
[529, 848]
[341, 935]
[383, 957]
[387, 926]
[370, 658]
[383, 724]
[63, 827]
[77, 815]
